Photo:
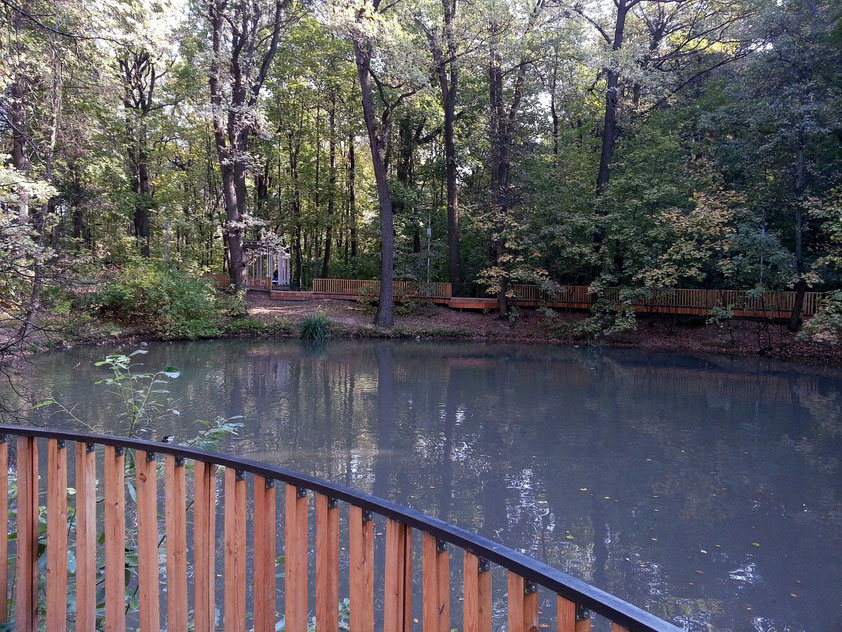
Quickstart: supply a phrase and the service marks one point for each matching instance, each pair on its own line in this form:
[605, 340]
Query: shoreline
[349, 320]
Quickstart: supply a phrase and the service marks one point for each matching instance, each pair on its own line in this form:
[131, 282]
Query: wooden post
[176, 526]
[26, 597]
[4, 530]
[477, 594]
[523, 605]
[327, 565]
[397, 615]
[264, 554]
[295, 540]
[115, 540]
[235, 551]
[361, 554]
[566, 615]
[85, 538]
[436, 585]
[56, 536]
[147, 541]
[204, 546]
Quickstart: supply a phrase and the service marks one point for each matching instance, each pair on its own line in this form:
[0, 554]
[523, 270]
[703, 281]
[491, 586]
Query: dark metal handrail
[613, 608]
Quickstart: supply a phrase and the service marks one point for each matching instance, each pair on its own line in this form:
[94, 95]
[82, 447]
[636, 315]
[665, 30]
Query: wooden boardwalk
[693, 302]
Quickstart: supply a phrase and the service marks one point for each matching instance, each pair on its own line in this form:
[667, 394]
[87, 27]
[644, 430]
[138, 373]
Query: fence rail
[666, 300]
[402, 289]
[573, 597]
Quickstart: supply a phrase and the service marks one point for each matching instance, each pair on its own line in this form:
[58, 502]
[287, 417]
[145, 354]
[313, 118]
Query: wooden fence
[743, 303]
[148, 466]
[674, 301]
[354, 288]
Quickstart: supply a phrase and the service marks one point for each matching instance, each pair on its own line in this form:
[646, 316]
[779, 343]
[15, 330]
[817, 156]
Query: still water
[706, 489]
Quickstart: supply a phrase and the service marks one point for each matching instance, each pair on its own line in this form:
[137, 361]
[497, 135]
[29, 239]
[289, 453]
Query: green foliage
[826, 325]
[245, 327]
[316, 326]
[279, 327]
[174, 304]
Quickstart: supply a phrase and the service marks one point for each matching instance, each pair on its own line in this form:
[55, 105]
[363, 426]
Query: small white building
[267, 265]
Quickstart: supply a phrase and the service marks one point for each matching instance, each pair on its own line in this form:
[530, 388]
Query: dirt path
[656, 334]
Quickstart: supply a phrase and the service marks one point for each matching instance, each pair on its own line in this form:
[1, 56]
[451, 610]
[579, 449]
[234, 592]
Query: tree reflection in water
[707, 489]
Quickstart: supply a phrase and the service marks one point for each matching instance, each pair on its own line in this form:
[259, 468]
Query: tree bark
[377, 141]
[331, 186]
[352, 194]
[447, 72]
[612, 95]
[232, 124]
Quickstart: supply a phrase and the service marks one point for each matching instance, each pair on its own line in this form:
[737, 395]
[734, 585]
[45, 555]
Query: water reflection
[706, 489]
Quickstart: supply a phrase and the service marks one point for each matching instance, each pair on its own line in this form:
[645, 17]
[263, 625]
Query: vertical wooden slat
[56, 536]
[115, 540]
[361, 554]
[176, 525]
[85, 538]
[264, 555]
[327, 565]
[523, 608]
[204, 547]
[436, 586]
[565, 615]
[295, 540]
[397, 608]
[147, 541]
[477, 595]
[26, 597]
[4, 530]
[235, 551]
[616, 627]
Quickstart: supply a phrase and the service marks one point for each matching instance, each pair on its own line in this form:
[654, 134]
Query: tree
[245, 38]
[371, 31]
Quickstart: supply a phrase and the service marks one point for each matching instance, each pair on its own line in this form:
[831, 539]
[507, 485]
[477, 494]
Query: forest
[633, 144]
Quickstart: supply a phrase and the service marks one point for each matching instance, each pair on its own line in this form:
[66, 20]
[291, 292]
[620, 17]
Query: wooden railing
[134, 464]
[252, 282]
[402, 289]
[675, 299]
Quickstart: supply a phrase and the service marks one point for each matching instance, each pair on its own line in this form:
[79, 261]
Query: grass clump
[316, 326]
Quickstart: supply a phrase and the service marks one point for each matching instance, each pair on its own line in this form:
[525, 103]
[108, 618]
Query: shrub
[172, 303]
[279, 327]
[316, 326]
[246, 327]
[826, 325]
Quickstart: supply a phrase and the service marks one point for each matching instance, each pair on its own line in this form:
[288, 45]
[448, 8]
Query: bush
[316, 326]
[246, 327]
[826, 325]
[172, 303]
[279, 327]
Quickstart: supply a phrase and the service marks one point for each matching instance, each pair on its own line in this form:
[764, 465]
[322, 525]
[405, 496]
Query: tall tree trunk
[612, 96]
[794, 323]
[377, 141]
[352, 194]
[447, 72]
[331, 187]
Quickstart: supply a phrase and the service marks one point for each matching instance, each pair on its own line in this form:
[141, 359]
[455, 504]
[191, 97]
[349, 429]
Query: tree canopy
[634, 143]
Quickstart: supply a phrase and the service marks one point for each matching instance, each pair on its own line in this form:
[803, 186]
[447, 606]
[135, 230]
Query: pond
[707, 489]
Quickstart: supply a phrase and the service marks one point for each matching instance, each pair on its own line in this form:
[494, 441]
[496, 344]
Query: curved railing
[575, 598]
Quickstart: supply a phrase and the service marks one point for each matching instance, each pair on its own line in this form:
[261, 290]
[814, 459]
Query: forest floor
[660, 333]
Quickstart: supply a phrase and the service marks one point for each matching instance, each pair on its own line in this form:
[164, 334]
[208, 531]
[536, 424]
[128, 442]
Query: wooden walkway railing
[743, 303]
[252, 282]
[146, 466]
[403, 289]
